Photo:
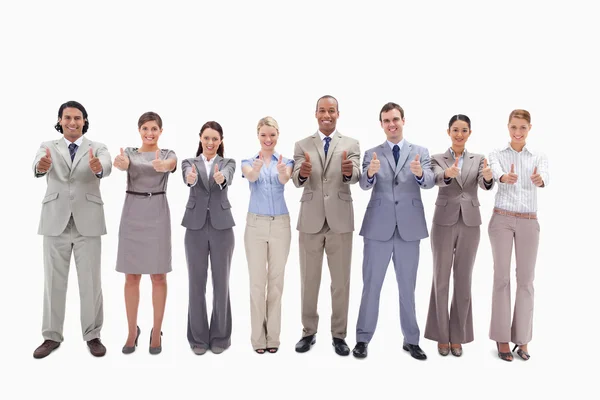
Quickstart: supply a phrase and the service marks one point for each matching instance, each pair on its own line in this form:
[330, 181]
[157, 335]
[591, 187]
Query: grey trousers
[200, 245]
[57, 260]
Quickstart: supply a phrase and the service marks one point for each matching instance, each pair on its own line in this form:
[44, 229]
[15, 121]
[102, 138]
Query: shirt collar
[274, 157]
[509, 147]
[400, 144]
[77, 142]
[206, 160]
[323, 136]
[454, 155]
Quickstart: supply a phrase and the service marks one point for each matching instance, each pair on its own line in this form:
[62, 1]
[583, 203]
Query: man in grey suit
[326, 164]
[72, 221]
[394, 224]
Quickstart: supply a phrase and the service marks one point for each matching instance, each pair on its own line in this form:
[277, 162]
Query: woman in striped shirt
[519, 173]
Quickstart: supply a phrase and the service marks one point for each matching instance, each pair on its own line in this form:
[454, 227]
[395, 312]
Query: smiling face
[392, 124]
[267, 136]
[327, 114]
[210, 140]
[150, 132]
[518, 129]
[459, 132]
[72, 123]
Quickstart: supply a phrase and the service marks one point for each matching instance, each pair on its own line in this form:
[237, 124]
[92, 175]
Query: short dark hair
[328, 96]
[77, 105]
[217, 127]
[459, 117]
[150, 116]
[389, 107]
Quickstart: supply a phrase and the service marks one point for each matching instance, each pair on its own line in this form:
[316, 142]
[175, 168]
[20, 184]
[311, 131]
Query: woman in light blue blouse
[267, 236]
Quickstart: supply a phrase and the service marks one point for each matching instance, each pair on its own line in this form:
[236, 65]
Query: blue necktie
[396, 151]
[72, 150]
[327, 140]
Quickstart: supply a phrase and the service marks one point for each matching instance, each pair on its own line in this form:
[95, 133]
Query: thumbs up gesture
[121, 161]
[453, 171]
[258, 162]
[45, 162]
[281, 166]
[346, 165]
[95, 164]
[374, 166]
[305, 167]
[192, 176]
[487, 171]
[218, 175]
[511, 177]
[415, 167]
[158, 164]
[537, 178]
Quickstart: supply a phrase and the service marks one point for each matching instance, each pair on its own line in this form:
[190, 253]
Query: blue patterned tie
[72, 150]
[396, 151]
[327, 140]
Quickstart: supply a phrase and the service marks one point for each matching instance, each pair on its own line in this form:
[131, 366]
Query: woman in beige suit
[455, 236]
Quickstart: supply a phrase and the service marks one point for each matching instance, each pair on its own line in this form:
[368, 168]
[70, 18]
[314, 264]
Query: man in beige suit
[326, 164]
[72, 221]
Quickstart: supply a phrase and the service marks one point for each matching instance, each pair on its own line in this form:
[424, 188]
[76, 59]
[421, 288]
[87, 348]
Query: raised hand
[374, 166]
[258, 162]
[121, 161]
[281, 166]
[218, 175]
[191, 176]
[346, 165]
[511, 177]
[45, 162]
[415, 167]
[453, 171]
[487, 171]
[306, 167]
[537, 178]
[158, 164]
[95, 164]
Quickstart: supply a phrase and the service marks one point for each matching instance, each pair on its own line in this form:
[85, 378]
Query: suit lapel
[319, 146]
[403, 156]
[466, 167]
[83, 150]
[387, 153]
[332, 145]
[64, 151]
[448, 159]
[202, 171]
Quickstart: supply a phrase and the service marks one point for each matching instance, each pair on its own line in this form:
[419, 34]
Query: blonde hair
[268, 121]
[519, 113]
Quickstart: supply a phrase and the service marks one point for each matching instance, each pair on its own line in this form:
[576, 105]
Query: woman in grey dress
[145, 230]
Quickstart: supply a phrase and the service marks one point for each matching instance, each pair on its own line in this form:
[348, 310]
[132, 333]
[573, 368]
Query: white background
[235, 62]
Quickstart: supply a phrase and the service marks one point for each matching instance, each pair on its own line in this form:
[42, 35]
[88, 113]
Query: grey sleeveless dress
[145, 229]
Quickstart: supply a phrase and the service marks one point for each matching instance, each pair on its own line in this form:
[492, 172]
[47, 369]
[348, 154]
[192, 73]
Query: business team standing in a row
[324, 165]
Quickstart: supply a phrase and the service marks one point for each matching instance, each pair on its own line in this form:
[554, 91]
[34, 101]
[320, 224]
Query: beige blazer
[73, 189]
[461, 194]
[326, 195]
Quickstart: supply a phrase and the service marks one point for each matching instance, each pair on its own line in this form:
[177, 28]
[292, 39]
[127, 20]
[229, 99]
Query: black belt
[147, 194]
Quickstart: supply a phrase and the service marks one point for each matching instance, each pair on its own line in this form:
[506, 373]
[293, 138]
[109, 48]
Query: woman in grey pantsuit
[455, 236]
[145, 230]
[209, 233]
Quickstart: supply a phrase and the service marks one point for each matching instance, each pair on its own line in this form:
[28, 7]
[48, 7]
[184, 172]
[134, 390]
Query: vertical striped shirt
[521, 196]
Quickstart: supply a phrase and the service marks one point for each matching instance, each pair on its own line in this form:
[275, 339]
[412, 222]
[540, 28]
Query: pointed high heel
[507, 356]
[521, 353]
[131, 349]
[155, 350]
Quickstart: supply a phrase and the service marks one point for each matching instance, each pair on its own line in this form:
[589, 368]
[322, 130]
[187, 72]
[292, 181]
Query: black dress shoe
[360, 350]
[415, 351]
[305, 343]
[340, 346]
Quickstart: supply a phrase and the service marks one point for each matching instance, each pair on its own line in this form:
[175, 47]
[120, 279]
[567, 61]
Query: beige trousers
[267, 241]
[338, 247]
[525, 233]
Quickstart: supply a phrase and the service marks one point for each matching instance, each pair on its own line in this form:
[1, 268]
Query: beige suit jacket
[326, 194]
[460, 195]
[73, 188]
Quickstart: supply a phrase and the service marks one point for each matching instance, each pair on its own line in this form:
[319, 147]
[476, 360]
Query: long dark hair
[217, 127]
[77, 105]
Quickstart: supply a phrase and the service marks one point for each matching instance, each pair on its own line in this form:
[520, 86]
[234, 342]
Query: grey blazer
[207, 195]
[460, 195]
[73, 188]
[396, 196]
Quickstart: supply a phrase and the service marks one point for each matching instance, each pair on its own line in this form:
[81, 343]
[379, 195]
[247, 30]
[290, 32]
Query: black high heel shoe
[506, 356]
[131, 349]
[521, 353]
[155, 350]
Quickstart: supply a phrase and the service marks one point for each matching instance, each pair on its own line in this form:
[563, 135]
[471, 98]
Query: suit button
[72, 180]
[396, 202]
[326, 195]
[72, 197]
[396, 182]
[325, 179]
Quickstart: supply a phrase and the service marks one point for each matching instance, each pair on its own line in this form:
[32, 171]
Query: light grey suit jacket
[73, 188]
[326, 194]
[396, 196]
[207, 195]
[460, 196]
